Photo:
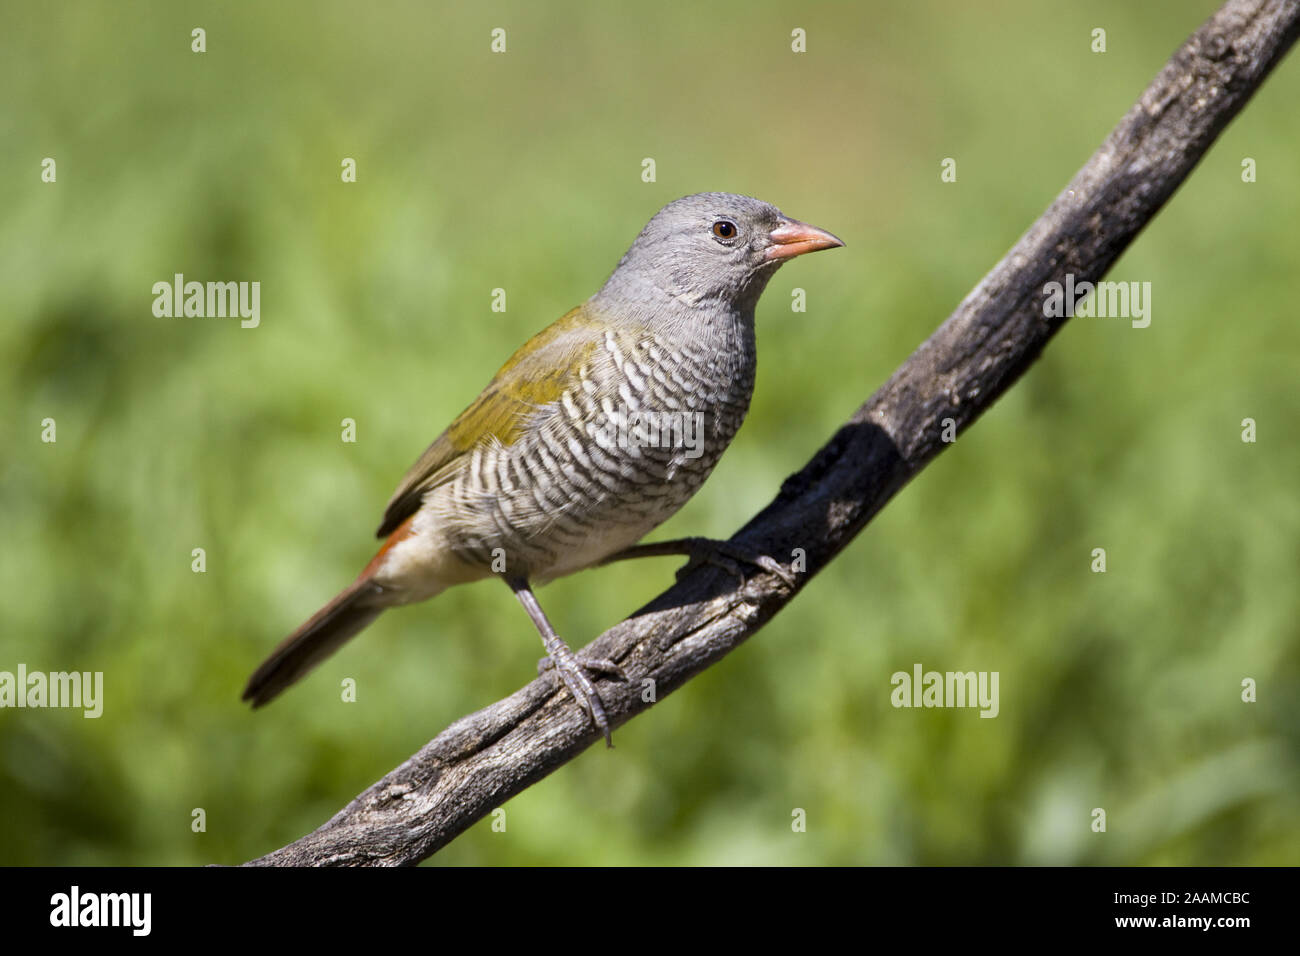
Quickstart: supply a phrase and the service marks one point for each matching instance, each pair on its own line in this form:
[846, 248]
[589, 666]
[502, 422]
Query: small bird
[594, 432]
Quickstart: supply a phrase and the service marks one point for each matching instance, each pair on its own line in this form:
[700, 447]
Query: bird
[594, 432]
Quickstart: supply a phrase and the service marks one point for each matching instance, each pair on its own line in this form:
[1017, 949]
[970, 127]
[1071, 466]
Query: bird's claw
[574, 674]
[601, 665]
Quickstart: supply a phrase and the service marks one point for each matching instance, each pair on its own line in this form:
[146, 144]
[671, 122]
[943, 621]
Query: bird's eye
[724, 229]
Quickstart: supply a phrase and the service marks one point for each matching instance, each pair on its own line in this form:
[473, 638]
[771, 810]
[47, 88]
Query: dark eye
[725, 229]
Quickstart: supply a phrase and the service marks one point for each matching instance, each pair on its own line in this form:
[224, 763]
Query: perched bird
[595, 432]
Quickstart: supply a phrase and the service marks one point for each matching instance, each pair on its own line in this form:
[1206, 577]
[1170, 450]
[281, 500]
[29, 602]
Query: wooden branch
[484, 759]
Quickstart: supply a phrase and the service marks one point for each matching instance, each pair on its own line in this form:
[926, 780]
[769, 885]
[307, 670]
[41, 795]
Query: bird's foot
[729, 557]
[573, 672]
[576, 675]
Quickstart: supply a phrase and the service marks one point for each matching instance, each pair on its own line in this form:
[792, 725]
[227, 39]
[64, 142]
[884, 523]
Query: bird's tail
[317, 639]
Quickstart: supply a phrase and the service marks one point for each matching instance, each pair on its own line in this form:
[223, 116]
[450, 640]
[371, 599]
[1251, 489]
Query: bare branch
[482, 760]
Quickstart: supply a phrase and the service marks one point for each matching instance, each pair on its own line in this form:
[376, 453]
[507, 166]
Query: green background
[523, 171]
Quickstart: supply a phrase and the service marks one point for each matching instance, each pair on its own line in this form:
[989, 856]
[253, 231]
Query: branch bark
[483, 759]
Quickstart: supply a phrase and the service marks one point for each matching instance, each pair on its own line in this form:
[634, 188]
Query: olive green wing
[536, 375]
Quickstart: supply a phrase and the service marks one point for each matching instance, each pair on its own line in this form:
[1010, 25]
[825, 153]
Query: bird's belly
[553, 504]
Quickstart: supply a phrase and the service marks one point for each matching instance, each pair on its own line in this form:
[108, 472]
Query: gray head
[710, 250]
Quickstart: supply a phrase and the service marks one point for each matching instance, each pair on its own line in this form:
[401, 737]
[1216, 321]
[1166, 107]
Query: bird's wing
[536, 375]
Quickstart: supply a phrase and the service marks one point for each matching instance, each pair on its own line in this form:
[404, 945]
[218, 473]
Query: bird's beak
[793, 238]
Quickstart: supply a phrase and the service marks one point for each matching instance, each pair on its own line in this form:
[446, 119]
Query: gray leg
[572, 671]
[722, 554]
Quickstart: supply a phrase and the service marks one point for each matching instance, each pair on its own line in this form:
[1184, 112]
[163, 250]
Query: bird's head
[711, 250]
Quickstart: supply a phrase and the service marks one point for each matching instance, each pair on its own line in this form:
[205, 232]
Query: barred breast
[627, 445]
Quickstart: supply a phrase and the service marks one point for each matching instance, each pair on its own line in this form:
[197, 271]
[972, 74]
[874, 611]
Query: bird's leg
[572, 671]
[722, 554]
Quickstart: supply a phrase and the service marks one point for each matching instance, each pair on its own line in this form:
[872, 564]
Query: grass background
[522, 171]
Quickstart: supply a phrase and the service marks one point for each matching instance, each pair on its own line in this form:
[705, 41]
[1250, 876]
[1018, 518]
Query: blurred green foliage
[476, 171]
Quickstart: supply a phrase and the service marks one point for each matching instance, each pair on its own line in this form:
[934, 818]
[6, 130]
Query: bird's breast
[626, 445]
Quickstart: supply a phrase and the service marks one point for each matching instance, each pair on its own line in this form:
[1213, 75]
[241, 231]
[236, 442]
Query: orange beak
[794, 238]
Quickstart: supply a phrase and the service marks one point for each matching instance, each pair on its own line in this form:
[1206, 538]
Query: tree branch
[482, 760]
